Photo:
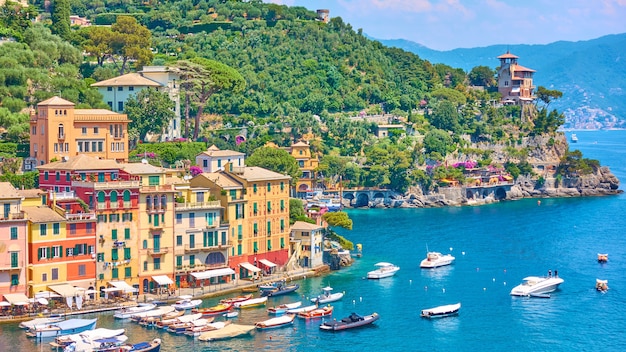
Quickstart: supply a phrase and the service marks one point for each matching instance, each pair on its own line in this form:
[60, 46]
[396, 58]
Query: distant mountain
[591, 74]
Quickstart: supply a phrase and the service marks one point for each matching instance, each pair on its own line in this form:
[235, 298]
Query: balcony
[158, 251]
[157, 188]
[61, 136]
[157, 210]
[9, 267]
[118, 135]
[62, 195]
[106, 185]
[199, 205]
[12, 217]
[119, 244]
[201, 248]
[80, 217]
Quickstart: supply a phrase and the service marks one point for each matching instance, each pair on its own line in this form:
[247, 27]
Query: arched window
[113, 196]
[215, 258]
[148, 202]
[127, 196]
[164, 201]
[61, 131]
[155, 202]
[101, 197]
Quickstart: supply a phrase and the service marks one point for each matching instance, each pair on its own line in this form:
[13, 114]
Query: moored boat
[233, 300]
[180, 328]
[383, 270]
[159, 312]
[231, 314]
[250, 303]
[602, 285]
[40, 322]
[280, 309]
[199, 330]
[164, 324]
[186, 303]
[89, 335]
[533, 285]
[152, 321]
[317, 313]
[327, 296]
[603, 257]
[127, 312]
[302, 309]
[277, 322]
[435, 260]
[215, 310]
[280, 290]
[574, 138]
[152, 346]
[352, 321]
[441, 311]
[65, 327]
[229, 331]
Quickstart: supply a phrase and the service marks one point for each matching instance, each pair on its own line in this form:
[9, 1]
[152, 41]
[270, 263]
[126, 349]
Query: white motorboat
[441, 311]
[602, 285]
[186, 303]
[436, 259]
[384, 270]
[159, 312]
[65, 327]
[536, 286]
[127, 312]
[40, 322]
[87, 336]
[574, 138]
[302, 309]
[327, 296]
[250, 303]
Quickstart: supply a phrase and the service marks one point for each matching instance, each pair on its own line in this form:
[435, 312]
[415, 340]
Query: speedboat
[352, 321]
[602, 285]
[275, 322]
[435, 260]
[159, 312]
[280, 309]
[441, 311]
[152, 346]
[199, 330]
[384, 270]
[574, 138]
[152, 321]
[536, 285]
[127, 312]
[302, 309]
[327, 296]
[603, 257]
[252, 302]
[89, 335]
[165, 324]
[280, 290]
[180, 328]
[186, 303]
[65, 327]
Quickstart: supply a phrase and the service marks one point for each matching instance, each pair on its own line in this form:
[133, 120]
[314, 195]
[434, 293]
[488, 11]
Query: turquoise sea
[496, 246]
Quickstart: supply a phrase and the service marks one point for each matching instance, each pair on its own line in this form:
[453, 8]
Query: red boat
[317, 313]
[234, 300]
[215, 310]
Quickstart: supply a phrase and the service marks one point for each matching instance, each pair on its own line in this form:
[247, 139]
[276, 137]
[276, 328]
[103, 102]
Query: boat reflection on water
[439, 274]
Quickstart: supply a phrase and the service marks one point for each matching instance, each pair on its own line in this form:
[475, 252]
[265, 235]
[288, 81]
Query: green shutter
[61, 251]
[114, 233]
[127, 234]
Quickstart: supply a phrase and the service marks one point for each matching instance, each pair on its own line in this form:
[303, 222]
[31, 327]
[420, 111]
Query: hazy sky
[450, 24]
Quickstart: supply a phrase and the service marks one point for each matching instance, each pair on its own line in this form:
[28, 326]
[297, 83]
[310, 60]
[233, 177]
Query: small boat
[602, 285]
[41, 321]
[65, 327]
[441, 311]
[229, 331]
[215, 310]
[89, 335]
[199, 330]
[352, 321]
[164, 324]
[180, 328]
[317, 313]
[152, 321]
[80, 343]
[574, 138]
[251, 289]
[280, 309]
[252, 302]
[231, 314]
[269, 286]
[152, 346]
[159, 312]
[327, 296]
[186, 303]
[536, 285]
[127, 312]
[302, 309]
[280, 290]
[384, 270]
[435, 260]
[603, 257]
[277, 322]
[236, 299]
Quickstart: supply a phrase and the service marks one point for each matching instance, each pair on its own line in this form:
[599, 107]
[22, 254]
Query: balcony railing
[201, 247]
[61, 135]
[80, 217]
[118, 135]
[199, 205]
[119, 244]
[62, 195]
[12, 216]
[9, 267]
[158, 251]
[107, 184]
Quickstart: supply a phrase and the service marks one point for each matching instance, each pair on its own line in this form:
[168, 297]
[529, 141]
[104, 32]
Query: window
[282, 205]
[282, 225]
[43, 229]
[179, 240]
[114, 255]
[112, 196]
[128, 272]
[127, 234]
[282, 242]
[205, 163]
[69, 252]
[192, 260]
[179, 261]
[209, 218]
[282, 185]
[192, 220]
[269, 206]
[56, 228]
[233, 194]
[192, 241]
[239, 232]
[153, 180]
[131, 88]
[255, 228]
[114, 234]
[120, 105]
[45, 175]
[44, 277]
[255, 208]
[82, 270]
[145, 266]
[219, 163]
[14, 259]
[67, 177]
[100, 257]
[269, 244]
[269, 228]
[89, 227]
[256, 247]
[239, 249]
[179, 218]
[14, 233]
[120, 89]
[126, 253]
[254, 187]
[72, 229]
[15, 279]
[55, 273]
[109, 89]
[157, 263]
[115, 273]
[84, 131]
[96, 130]
[269, 187]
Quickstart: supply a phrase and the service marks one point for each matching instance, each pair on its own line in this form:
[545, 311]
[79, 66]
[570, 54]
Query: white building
[117, 90]
[214, 159]
[309, 241]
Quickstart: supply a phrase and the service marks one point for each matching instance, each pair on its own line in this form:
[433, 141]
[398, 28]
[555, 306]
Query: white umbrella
[21, 303]
[42, 301]
[4, 304]
[87, 292]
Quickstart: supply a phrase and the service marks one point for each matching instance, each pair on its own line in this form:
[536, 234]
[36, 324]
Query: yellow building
[58, 131]
[155, 235]
[308, 164]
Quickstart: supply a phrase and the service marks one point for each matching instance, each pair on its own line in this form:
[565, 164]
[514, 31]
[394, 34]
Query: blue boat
[66, 327]
[280, 290]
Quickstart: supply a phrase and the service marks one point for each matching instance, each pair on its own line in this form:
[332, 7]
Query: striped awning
[213, 273]
[250, 267]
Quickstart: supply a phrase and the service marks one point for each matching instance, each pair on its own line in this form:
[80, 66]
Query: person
[556, 273]
[549, 273]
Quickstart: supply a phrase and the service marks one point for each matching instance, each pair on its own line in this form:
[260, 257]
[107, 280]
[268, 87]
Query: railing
[119, 244]
[199, 205]
[158, 188]
[80, 216]
[118, 135]
[12, 216]
[158, 251]
[107, 184]
[157, 210]
[62, 195]
[9, 267]
[201, 247]
[61, 136]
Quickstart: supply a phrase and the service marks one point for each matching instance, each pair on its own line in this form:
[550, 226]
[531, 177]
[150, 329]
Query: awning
[162, 280]
[123, 286]
[65, 290]
[250, 267]
[15, 298]
[213, 273]
[267, 263]
[111, 289]
[46, 294]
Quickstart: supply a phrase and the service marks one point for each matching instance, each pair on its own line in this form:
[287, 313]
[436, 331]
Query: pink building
[13, 244]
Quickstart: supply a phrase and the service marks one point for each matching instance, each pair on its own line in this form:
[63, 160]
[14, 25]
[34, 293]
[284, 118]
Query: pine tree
[60, 16]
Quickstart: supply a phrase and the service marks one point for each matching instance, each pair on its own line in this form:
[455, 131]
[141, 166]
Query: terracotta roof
[522, 68]
[300, 144]
[42, 214]
[129, 79]
[95, 112]
[7, 191]
[508, 55]
[255, 173]
[215, 151]
[55, 101]
[141, 168]
[30, 193]
[302, 225]
[81, 162]
[221, 179]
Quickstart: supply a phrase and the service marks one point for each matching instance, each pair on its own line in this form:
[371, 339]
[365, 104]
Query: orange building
[515, 82]
[58, 131]
[308, 164]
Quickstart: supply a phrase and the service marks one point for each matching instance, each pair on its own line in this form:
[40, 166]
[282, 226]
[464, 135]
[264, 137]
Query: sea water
[495, 246]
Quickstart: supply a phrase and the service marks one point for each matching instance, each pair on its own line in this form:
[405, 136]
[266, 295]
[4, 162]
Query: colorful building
[59, 131]
[307, 241]
[308, 164]
[515, 82]
[13, 242]
[214, 159]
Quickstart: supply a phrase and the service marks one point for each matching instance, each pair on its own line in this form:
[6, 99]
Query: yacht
[574, 138]
[383, 270]
[436, 259]
[536, 285]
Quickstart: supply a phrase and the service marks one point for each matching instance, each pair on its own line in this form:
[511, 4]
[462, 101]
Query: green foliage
[296, 210]
[277, 160]
[339, 219]
[438, 141]
[482, 76]
[547, 122]
[60, 16]
[149, 111]
[169, 152]
[547, 95]
[445, 117]
[343, 242]
[573, 164]
[26, 180]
